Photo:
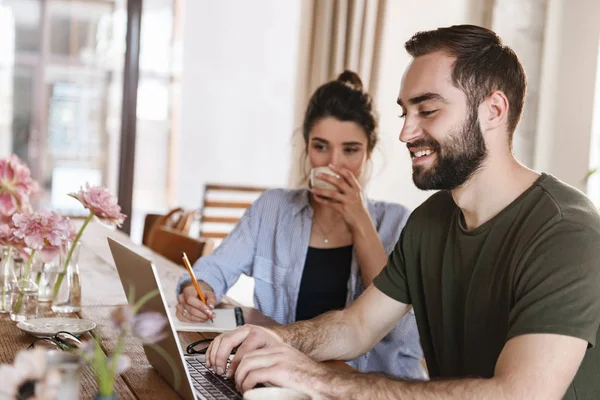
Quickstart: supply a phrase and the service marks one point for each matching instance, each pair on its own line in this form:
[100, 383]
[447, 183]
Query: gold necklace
[325, 235]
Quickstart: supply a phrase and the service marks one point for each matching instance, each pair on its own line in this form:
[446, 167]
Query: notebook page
[224, 321]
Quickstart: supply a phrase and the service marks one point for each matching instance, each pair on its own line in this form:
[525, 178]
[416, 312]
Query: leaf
[590, 173]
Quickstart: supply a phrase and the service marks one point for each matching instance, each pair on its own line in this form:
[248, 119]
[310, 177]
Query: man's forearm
[330, 336]
[355, 386]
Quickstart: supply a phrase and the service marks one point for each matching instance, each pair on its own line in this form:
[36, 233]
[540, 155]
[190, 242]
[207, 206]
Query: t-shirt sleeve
[556, 285]
[392, 280]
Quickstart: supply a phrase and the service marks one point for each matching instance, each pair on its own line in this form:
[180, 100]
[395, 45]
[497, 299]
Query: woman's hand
[348, 201]
[189, 306]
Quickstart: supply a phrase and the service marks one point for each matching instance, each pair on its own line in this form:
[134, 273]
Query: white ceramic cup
[275, 393]
[315, 182]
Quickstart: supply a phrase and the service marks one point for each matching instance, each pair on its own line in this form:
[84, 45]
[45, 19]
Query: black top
[324, 283]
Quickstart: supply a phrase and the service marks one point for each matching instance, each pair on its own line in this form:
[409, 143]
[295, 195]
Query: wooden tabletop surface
[101, 292]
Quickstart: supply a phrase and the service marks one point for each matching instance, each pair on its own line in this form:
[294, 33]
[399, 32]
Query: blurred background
[155, 99]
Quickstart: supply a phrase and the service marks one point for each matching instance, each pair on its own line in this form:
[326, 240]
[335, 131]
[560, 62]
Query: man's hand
[248, 338]
[281, 365]
[189, 306]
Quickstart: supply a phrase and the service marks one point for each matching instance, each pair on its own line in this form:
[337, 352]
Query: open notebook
[226, 319]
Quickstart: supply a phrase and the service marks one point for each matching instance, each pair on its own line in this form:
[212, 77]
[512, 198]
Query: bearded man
[501, 265]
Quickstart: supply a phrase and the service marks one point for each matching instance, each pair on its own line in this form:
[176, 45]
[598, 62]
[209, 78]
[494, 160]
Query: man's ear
[494, 111]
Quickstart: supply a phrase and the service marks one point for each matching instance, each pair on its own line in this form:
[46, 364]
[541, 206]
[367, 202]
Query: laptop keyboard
[210, 385]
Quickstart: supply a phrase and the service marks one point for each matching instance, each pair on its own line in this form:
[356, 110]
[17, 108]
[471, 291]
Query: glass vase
[44, 276]
[9, 273]
[68, 366]
[23, 300]
[67, 287]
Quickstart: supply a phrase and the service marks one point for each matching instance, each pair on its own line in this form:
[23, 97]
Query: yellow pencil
[188, 266]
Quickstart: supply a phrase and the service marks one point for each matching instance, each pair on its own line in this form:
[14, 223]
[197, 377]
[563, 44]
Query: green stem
[60, 277]
[101, 369]
[24, 282]
[172, 364]
[143, 300]
[39, 276]
[5, 283]
[112, 369]
[28, 267]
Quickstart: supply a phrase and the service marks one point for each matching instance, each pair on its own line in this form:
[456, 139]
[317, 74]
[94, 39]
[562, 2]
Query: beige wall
[567, 92]
[234, 105]
[391, 176]
[237, 91]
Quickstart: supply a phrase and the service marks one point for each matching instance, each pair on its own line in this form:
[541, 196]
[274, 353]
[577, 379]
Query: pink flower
[45, 231]
[148, 326]
[29, 368]
[7, 236]
[72, 230]
[123, 363]
[101, 203]
[16, 186]
[123, 317]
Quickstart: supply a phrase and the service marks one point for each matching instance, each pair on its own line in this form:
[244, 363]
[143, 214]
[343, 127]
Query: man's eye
[427, 112]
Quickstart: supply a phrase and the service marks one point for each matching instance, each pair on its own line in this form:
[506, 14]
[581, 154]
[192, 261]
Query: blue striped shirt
[270, 244]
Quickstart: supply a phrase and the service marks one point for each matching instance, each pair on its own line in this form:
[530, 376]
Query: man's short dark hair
[483, 64]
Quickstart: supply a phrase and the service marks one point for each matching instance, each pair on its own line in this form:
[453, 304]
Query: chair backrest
[177, 219]
[171, 243]
[223, 206]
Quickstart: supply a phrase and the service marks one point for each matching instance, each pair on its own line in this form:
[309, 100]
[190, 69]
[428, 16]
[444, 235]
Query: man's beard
[457, 158]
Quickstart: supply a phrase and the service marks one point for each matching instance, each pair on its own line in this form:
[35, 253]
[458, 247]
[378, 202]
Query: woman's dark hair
[344, 100]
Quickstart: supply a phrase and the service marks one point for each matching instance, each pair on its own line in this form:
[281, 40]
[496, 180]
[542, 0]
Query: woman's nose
[336, 158]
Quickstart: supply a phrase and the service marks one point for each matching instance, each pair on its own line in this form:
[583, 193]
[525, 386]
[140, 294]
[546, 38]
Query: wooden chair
[223, 206]
[171, 243]
[177, 219]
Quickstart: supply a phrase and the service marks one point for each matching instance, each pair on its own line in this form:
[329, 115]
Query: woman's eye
[402, 116]
[319, 147]
[351, 150]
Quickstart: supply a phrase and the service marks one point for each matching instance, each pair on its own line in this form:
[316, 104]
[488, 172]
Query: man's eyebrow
[422, 98]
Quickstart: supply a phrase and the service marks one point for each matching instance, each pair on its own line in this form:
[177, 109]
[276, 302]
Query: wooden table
[101, 292]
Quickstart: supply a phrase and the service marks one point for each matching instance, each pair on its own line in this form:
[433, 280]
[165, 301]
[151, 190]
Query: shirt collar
[300, 202]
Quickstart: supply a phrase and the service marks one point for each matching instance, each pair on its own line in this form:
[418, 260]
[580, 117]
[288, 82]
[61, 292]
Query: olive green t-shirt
[533, 268]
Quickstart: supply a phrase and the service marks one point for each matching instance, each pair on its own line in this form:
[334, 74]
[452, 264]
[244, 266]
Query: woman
[312, 251]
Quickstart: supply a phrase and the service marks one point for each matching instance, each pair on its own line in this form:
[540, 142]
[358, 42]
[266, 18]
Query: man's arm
[348, 333]
[336, 335]
[534, 366]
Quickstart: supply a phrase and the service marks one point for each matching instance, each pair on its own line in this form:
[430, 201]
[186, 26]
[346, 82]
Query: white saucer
[41, 327]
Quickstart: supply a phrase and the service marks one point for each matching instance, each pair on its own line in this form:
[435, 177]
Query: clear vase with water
[44, 275]
[8, 274]
[23, 300]
[67, 286]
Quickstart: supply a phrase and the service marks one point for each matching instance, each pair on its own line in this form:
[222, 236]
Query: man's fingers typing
[257, 338]
[221, 347]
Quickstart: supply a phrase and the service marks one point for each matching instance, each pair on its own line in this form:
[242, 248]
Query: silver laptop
[195, 380]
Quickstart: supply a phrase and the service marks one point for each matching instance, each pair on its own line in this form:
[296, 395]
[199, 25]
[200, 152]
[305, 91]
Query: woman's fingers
[327, 196]
[346, 175]
[337, 181]
[194, 305]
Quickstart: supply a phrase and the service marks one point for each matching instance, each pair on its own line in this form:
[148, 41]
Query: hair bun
[351, 79]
